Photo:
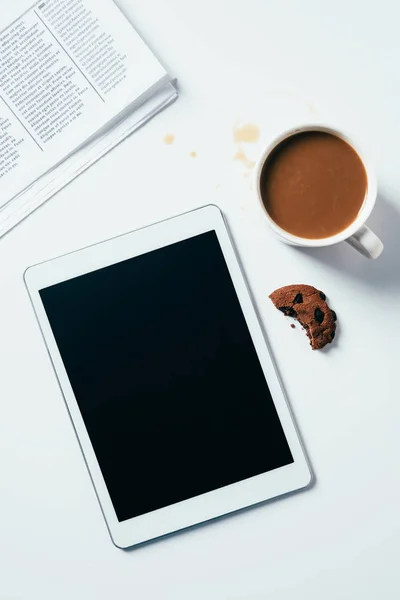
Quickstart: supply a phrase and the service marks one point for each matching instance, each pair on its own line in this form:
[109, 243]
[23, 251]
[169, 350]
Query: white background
[273, 63]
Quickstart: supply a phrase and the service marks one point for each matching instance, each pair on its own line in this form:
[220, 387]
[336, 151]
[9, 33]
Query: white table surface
[273, 63]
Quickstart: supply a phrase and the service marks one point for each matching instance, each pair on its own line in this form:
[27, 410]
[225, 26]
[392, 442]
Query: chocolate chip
[284, 309]
[319, 315]
[333, 334]
[334, 315]
[322, 296]
[298, 299]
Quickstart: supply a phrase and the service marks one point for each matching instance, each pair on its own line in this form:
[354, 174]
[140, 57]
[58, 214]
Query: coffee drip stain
[169, 139]
[241, 155]
[248, 133]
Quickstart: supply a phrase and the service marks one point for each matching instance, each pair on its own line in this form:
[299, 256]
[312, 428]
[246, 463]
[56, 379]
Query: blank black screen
[166, 376]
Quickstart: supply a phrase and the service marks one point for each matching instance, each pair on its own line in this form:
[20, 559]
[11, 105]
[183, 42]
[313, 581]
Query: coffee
[313, 185]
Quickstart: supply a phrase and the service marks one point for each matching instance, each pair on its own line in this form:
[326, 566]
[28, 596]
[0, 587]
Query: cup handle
[366, 242]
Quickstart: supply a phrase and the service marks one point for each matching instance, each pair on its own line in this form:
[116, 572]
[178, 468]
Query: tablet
[167, 377]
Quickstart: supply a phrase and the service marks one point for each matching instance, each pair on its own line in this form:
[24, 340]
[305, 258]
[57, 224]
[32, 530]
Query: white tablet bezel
[212, 504]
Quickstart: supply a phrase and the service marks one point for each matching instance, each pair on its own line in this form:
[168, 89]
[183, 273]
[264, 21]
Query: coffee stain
[291, 93]
[241, 155]
[193, 154]
[169, 139]
[312, 108]
[248, 133]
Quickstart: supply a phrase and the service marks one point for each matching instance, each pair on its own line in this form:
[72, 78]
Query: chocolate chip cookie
[308, 305]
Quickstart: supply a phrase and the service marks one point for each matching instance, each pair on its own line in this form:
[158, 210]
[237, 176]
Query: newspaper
[75, 79]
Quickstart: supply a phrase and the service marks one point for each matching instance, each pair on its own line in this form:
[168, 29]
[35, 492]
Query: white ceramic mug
[357, 234]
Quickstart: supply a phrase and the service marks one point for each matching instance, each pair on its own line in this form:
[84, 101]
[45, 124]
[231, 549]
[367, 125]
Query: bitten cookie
[308, 305]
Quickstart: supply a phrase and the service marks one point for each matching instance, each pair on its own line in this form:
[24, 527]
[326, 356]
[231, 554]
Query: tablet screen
[166, 376]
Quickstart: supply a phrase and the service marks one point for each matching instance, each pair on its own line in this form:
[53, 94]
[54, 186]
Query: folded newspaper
[75, 80]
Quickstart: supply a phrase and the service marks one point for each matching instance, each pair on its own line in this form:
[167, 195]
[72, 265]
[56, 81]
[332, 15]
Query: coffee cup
[356, 233]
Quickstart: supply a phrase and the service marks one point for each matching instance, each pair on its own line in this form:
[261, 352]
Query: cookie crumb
[193, 154]
[293, 326]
